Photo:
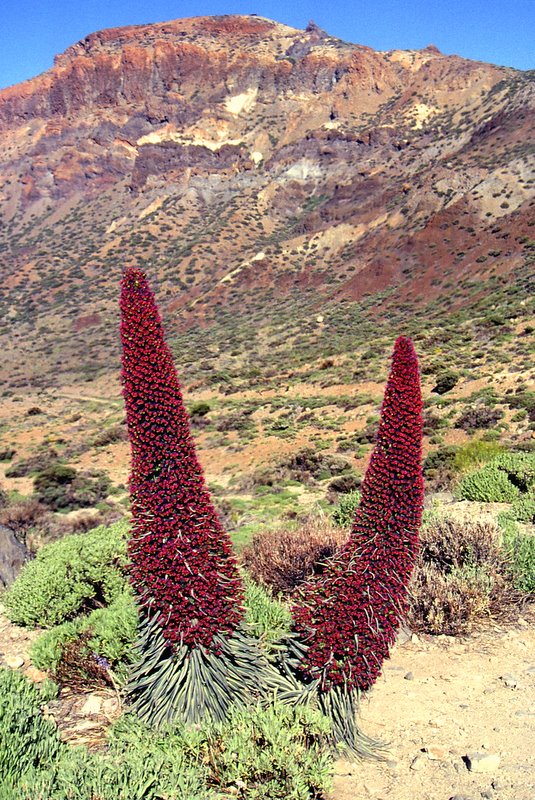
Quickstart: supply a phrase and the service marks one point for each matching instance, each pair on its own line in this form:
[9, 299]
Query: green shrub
[199, 409]
[344, 513]
[445, 382]
[487, 485]
[7, 453]
[344, 484]
[84, 775]
[61, 487]
[113, 632]
[521, 551]
[475, 454]
[507, 523]
[46, 651]
[502, 480]
[519, 467]
[523, 509]
[272, 753]
[259, 754]
[114, 629]
[137, 767]
[49, 690]
[307, 463]
[26, 738]
[54, 475]
[74, 575]
[524, 400]
[268, 618]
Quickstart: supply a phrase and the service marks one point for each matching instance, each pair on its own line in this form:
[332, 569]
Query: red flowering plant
[193, 656]
[347, 618]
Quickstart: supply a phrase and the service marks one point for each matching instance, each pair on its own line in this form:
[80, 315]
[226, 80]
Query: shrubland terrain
[291, 195]
[297, 202]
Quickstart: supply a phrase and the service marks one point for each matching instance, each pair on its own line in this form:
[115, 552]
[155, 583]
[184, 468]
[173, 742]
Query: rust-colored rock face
[243, 161]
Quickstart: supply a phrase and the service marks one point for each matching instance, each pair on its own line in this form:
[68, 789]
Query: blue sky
[498, 31]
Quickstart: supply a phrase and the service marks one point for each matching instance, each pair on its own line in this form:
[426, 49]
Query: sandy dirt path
[473, 695]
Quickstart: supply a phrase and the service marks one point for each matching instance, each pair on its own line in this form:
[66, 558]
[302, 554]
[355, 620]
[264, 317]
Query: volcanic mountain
[265, 177]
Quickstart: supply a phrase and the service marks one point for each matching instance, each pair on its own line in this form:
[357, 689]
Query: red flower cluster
[181, 561]
[348, 617]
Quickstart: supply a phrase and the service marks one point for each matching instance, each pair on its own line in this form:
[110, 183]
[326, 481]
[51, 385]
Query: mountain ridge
[256, 172]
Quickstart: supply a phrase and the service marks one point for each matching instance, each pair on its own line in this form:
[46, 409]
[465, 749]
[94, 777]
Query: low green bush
[308, 464]
[273, 753]
[521, 552]
[523, 509]
[524, 400]
[199, 409]
[344, 484]
[46, 651]
[519, 467]
[475, 454]
[26, 738]
[507, 523]
[7, 453]
[84, 775]
[74, 575]
[487, 485]
[445, 381]
[344, 513]
[113, 631]
[268, 618]
[112, 636]
[502, 480]
[259, 754]
[61, 487]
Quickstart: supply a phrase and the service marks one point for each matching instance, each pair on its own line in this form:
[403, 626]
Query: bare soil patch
[461, 699]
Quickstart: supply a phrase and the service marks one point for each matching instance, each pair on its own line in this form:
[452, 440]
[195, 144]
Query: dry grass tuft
[22, 516]
[461, 577]
[283, 559]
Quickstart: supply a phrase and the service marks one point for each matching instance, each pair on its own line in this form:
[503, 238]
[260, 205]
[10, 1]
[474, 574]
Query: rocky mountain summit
[261, 174]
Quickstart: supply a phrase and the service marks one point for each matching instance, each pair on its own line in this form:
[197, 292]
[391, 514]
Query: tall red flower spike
[348, 617]
[182, 567]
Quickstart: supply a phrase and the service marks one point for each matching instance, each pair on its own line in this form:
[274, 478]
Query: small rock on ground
[510, 681]
[482, 762]
[436, 753]
[418, 762]
[14, 662]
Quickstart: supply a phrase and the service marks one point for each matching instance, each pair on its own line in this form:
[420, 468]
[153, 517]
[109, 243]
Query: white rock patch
[242, 102]
[303, 170]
